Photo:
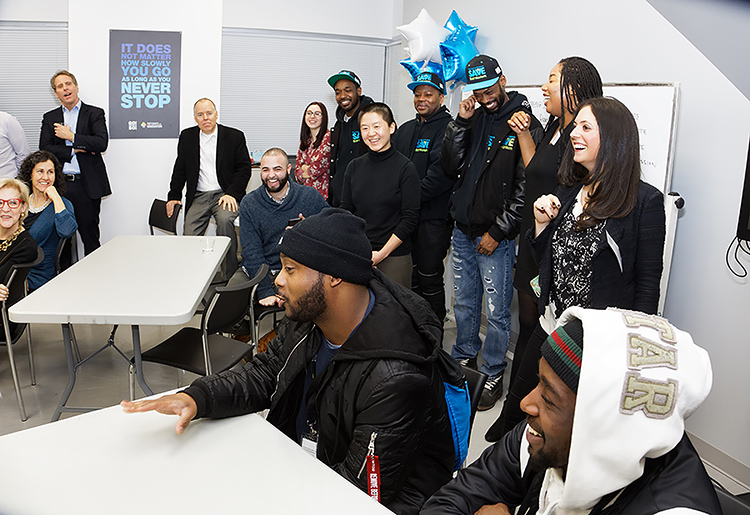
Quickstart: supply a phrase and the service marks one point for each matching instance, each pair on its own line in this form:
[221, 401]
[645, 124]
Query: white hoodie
[640, 379]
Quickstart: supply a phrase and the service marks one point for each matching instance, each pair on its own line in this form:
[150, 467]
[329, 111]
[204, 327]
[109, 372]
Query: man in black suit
[214, 162]
[77, 134]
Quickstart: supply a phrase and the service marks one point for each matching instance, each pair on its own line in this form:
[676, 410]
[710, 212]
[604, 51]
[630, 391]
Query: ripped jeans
[476, 274]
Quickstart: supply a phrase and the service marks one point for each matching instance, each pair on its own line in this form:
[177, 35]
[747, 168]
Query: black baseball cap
[482, 72]
[428, 79]
[346, 75]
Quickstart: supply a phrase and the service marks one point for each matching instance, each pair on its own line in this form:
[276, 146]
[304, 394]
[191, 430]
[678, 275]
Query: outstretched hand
[180, 404]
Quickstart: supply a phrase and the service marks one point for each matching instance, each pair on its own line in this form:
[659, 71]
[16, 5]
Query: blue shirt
[70, 118]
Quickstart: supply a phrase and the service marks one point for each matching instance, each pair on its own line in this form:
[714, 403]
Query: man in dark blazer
[213, 161]
[77, 134]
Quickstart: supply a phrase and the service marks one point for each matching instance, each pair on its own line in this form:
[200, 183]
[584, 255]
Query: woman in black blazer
[599, 241]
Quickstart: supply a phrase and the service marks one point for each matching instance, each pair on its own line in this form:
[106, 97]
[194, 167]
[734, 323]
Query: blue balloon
[415, 69]
[457, 50]
[455, 21]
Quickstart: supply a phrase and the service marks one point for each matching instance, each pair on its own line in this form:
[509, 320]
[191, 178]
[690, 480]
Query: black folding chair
[16, 283]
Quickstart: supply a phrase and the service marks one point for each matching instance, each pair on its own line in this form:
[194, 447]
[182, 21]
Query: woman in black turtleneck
[382, 187]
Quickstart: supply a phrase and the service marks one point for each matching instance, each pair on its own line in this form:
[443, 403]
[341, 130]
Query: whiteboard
[654, 107]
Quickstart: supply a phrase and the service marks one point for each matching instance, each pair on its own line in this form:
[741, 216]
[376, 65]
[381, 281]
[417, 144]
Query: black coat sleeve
[495, 477]
[455, 147]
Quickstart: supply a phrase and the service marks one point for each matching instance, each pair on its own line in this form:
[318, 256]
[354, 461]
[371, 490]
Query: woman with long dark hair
[570, 82]
[314, 154]
[50, 215]
[599, 240]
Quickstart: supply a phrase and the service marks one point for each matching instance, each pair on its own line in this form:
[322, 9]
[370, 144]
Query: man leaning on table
[352, 374]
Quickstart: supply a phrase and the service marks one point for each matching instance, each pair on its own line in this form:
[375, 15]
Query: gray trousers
[204, 206]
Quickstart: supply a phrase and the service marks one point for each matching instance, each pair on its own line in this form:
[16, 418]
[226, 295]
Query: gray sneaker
[493, 390]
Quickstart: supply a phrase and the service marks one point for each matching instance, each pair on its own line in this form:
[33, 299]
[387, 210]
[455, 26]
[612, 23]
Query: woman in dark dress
[16, 245]
[599, 240]
[571, 81]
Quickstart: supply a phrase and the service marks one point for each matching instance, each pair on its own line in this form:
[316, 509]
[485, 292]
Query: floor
[103, 381]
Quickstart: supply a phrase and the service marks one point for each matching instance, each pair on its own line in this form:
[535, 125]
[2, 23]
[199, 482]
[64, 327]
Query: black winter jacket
[421, 142]
[346, 144]
[382, 381]
[675, 480]
[488, 198]
[626, 270]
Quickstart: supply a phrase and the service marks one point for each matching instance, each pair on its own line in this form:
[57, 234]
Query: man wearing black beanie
[352, 374]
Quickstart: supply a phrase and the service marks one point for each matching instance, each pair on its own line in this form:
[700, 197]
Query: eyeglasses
[13, 203]
[313, 113]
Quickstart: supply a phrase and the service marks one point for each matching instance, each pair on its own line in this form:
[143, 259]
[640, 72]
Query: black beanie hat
[563, 351]
[332, 242]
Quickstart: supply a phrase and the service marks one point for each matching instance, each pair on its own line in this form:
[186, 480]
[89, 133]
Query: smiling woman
[571, 81]
[16, 245]
[599, 239]
[50, 216]
[382, 187]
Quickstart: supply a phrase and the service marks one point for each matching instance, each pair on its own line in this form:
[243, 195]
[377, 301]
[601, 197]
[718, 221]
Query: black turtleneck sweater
[383, 188]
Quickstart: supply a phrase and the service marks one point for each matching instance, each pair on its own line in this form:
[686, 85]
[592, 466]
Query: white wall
[139, 170]
[629, 41]
[342, 17]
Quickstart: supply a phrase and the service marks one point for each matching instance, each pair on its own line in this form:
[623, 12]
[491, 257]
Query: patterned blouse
[572, 253]
[318, 159]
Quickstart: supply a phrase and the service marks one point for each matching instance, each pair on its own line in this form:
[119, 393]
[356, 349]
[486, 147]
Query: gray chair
[202, 350]
[158, 218]
[12, 332]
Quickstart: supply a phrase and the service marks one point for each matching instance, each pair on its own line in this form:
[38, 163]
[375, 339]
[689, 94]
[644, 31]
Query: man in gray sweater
[264, 215]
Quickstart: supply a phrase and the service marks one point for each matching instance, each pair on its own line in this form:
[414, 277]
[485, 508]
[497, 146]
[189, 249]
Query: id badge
[310, 446]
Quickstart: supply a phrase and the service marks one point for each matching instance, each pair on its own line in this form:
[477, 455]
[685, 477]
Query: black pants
[431, 241]
[86, 211]
[525, 380]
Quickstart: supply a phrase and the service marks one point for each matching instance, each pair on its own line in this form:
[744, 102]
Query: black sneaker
[468, 362]
[493, 390]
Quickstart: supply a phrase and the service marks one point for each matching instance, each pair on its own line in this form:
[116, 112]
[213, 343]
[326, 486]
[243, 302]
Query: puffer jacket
[382, 382]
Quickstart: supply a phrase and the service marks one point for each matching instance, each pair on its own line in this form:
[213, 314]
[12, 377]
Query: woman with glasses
[16, 245]
[314, 154]
[50, 216]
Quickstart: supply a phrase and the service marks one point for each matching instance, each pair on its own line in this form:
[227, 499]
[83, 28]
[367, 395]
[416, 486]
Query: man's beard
[281, 186]
[311, 305]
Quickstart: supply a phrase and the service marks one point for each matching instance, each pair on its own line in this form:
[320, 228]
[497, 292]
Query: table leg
[71, 371]
[138, 361]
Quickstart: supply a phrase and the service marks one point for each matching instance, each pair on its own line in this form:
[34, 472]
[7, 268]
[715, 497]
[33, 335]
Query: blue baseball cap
[482, 72]
[427, 79]
[345, 75]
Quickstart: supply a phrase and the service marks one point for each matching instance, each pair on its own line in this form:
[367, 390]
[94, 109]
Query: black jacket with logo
[383, 381]
[421, 142]
[346, 144]
[484, 154]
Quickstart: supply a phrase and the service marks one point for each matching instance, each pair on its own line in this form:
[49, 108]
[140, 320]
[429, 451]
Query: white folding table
[95, 463]
[131, 280]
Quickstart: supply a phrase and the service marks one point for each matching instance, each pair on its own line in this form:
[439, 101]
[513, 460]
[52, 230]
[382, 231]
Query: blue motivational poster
[144, 84]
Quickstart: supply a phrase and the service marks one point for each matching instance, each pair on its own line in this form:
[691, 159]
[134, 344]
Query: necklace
[39, 209]
[7, 243]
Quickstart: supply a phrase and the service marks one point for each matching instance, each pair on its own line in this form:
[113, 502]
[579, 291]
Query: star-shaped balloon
[415, 69]
[455, 21]
[423, 36]
[457, 50]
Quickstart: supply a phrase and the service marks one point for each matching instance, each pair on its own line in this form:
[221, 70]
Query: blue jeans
[476, 274]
